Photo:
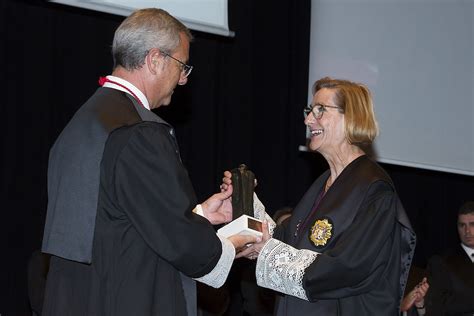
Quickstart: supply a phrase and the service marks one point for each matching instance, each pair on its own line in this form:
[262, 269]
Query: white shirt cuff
[198, 210]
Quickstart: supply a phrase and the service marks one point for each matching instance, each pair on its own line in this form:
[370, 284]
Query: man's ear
[154, 60]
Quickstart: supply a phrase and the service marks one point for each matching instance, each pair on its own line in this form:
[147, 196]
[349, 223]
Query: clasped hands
[416, 296]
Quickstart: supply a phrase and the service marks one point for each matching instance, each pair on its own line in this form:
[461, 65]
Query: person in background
[451, 276]
[348, 245]
[120, 223]
[413, 304]
[282, 214]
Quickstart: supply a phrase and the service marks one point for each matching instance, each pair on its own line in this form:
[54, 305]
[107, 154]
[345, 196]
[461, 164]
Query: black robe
[145, 236]
[364, 265]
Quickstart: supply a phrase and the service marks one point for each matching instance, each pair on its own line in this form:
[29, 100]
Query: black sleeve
[281, 231]
[153, 189]
[362, 252]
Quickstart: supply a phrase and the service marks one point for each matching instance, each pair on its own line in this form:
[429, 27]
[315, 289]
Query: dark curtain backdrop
[243, 104]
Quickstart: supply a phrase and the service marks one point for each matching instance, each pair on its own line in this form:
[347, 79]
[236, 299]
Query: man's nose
[469, 230]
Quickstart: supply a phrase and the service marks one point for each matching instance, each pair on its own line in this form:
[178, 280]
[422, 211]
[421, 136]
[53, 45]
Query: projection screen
[417, 57]
[201, 15]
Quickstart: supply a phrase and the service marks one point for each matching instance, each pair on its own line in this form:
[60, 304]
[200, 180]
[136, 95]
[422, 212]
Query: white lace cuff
[281, 267]
[259, 213]
[218, 275]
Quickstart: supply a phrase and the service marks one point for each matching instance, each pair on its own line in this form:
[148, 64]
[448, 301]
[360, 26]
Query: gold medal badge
[321, 232]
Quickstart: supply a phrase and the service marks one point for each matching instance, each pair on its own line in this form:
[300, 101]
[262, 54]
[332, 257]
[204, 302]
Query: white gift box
[244, 225]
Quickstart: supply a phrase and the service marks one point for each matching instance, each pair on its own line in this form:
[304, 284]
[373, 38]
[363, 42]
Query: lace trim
[281, 267]
[218, 275]
[259, 213]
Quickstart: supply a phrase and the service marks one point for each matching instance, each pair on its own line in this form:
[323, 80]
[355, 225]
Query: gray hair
[143, 30]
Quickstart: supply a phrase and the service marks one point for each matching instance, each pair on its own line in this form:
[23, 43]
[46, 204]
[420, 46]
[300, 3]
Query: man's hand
[241, 242]
[218, 208]
[252, 251]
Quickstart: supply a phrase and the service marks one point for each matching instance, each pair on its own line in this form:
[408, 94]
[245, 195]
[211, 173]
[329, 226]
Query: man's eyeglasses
[185, 69]
[319, 109]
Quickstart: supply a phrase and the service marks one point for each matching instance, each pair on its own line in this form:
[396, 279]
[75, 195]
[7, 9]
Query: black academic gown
[451, 279]
[364, 265]
[147, 243]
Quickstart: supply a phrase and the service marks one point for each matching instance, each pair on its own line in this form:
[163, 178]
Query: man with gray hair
[123, 225]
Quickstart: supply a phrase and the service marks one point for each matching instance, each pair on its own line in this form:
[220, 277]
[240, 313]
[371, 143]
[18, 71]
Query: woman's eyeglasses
[318, 110]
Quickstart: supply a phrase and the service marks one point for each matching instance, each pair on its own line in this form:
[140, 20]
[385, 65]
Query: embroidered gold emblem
[321, 232]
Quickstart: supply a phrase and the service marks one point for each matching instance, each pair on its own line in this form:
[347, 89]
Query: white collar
[141, 97]
[469, 251]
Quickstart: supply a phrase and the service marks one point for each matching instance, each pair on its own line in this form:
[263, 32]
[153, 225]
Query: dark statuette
[243, 181]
